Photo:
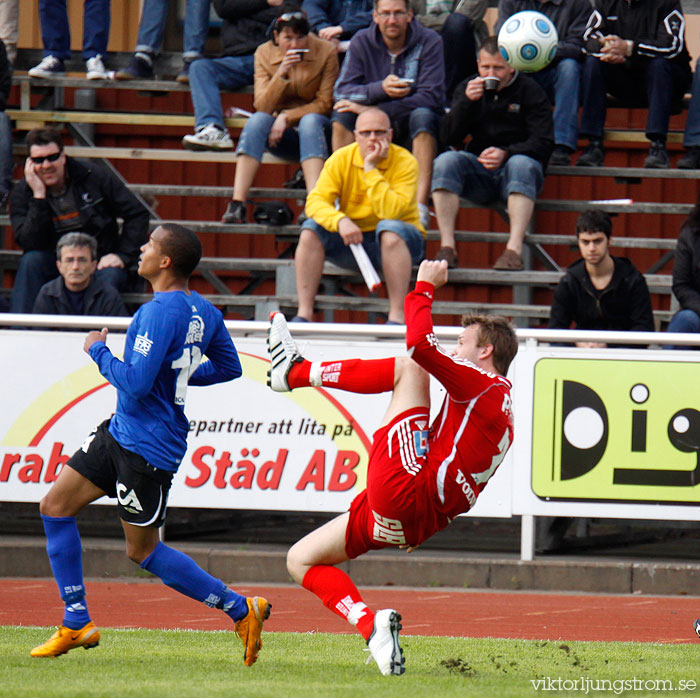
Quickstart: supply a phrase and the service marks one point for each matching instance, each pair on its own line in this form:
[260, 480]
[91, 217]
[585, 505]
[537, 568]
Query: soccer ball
[528, 41]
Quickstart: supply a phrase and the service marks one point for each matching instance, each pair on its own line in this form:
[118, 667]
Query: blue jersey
[165, 344]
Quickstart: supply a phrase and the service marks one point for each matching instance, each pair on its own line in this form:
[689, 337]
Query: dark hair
[183, 247]
[495, 330]
[405, 2]
[44, 136]
[490, 46]
[296, 21]
[592, 221]
[77, 240]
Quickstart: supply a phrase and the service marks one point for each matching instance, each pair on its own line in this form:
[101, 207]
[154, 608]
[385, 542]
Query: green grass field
[174, 664]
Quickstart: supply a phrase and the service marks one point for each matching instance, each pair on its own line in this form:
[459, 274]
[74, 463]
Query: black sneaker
[561, 156]
[593, 155]
[235, 213]
[140, 68]
[691, 160]
[658, 156]
[696, 625]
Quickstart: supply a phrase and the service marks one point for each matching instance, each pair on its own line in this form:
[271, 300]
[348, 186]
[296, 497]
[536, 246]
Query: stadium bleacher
[136, 127]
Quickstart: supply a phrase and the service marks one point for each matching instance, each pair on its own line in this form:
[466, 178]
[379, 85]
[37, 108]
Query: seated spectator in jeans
[337, 21]
[55, 34]
[294, 78]
[636, 51]
[686, 276]
[150, 38]
[5, 130]
[599, 291]
[77, 291]
[509, 119]
[59, 195]
[246, 24]
[561, 79]
[366, 194]
[397, 65]
[460, 24]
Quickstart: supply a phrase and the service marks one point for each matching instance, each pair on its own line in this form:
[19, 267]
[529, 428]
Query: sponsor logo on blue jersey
[142, 344]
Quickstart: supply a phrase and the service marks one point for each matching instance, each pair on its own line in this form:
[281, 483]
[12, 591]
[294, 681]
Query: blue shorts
[337, 251]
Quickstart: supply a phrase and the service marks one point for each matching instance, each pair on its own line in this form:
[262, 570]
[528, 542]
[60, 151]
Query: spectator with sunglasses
[294, 77]
[246, 25]
[59, 195]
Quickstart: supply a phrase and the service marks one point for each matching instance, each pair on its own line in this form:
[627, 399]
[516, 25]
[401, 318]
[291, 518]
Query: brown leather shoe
[509, 261]
[449, 255]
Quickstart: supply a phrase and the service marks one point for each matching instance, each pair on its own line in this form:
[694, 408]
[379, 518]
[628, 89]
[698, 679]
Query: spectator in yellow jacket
[366, 194]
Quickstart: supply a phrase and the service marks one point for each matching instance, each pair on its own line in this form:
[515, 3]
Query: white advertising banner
[248, 447]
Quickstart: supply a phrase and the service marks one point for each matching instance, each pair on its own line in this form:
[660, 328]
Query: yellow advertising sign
[616, 430]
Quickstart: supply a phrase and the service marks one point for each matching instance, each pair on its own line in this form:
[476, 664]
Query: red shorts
[395, 508]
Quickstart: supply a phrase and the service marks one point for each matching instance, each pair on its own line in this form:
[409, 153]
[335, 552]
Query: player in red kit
[420, 475]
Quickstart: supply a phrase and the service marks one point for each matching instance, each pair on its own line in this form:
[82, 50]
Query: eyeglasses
[399, 14]
[51, 158]
[289, 16]
[377, 133]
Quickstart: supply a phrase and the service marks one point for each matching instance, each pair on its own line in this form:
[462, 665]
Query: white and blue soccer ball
[528, 41]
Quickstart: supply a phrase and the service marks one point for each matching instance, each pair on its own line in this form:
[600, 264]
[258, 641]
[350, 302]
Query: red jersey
[474, 429]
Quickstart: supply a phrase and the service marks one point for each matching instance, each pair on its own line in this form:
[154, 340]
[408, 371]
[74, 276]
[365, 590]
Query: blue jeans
[461, 173]
[340, 253]
[55, 32]
[691, 137]
[152, 27]
[5, 153]
[310, 139]
[658, 83]
[562, 83]
[683, 321]
[421, 120]
[37, 267]
[208, 76]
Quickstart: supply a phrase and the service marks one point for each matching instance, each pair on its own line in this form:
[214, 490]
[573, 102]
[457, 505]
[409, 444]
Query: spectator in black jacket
[59, 195]
[636, 51]
[599, 291]
[509, 119]
[246, 25]
[686, 275]
[77, 291]
[561, 79]
[5, 130]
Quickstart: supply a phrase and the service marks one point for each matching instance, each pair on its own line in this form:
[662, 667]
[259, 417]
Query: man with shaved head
[366, 194]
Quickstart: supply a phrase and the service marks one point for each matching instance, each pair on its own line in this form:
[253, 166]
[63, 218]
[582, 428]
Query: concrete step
[25, 556]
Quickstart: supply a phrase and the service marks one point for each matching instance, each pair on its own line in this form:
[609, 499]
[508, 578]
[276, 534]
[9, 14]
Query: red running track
[447, 612]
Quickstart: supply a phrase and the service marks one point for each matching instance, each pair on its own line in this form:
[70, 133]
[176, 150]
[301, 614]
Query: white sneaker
[210, 137]
[96, 68]
[384, 644]
[424, 215]
[283, 353]
[49, 67]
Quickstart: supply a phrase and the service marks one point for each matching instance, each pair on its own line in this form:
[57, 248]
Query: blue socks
[65, 555]
[182, 573]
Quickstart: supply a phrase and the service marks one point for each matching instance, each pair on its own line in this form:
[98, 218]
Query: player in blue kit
[133, 455]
